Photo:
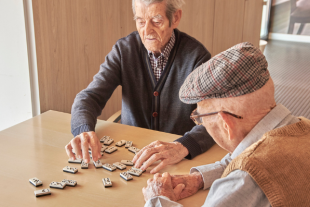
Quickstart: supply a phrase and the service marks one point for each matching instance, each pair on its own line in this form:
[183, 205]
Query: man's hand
[80, 145]
[161, 185]
[193, 182]
[168, 152]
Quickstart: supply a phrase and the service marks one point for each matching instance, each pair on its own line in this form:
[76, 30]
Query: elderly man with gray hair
[268, 160]
[150, 64]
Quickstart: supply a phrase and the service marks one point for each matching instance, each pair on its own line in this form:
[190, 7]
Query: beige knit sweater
[280, 164]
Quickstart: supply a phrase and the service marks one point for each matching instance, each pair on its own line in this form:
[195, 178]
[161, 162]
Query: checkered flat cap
[240, 70]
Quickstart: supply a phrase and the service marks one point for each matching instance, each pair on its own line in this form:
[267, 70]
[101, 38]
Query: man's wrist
[83, 128]
[199, 179]
[183, 150]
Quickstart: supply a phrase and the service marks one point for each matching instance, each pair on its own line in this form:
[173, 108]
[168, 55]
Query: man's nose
[148, 27]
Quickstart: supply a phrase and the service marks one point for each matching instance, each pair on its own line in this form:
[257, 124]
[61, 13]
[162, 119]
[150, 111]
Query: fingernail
[86, 160]
[72, 158]
[80, 156]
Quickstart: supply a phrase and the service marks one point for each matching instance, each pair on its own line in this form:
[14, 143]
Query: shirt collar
[271, 121]
[167, 49]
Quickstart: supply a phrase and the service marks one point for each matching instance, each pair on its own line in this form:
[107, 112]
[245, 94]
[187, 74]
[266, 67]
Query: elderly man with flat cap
[268, 161]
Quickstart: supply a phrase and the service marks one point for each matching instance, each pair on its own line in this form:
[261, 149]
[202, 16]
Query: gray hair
[171, 7]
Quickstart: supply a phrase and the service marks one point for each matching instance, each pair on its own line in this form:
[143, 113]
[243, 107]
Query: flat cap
[240, 70]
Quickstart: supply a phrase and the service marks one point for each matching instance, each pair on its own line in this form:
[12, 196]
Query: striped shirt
[158, 64]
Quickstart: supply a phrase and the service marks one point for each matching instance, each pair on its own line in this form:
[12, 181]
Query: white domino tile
[111, 149]
[120, 143]
[135, 171]
[77, 161]
[107, 182]
[91, 156]
[128, 144]
[97, 163]
[59, 185]
[126, 176]
[69, 182]
[35, 181]
[127, 162]
[84, 165]
[104, 138]
[42, 192]
[68, 169]
[103, 148]
[119, 165]
[108, 141]
[134, 149]
[109, 167]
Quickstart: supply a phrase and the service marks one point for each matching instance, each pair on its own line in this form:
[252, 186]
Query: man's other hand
[168, 152]
[192, 182]
[81, 143]
[161, 185]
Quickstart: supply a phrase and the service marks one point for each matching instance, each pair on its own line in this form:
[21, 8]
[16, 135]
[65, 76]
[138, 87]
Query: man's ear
[228, 124]
[176, 18]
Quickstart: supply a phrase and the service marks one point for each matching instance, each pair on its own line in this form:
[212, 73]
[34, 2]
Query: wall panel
[72, 39]
[74, 36]
[252, 21]
[228, 24]
[197, 21]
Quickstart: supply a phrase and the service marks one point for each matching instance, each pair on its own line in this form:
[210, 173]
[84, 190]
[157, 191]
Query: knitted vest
[280, 164]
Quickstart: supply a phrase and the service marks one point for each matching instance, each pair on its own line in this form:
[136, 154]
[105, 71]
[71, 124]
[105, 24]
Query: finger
[84, 145]
[139, 157]
[166, 175]
[136, 157]
[155, 157]
[95, 146]
[149, 181]
[75, 143]
[157, 175]
[144, 194]
[178, 190]
[148, 153]
[160, 166]
[70, 154]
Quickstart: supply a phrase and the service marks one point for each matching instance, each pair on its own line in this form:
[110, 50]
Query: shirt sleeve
[235, 190]
[211, 172]
[161, 201]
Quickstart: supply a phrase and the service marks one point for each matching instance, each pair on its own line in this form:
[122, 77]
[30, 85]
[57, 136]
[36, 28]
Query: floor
[289, 66]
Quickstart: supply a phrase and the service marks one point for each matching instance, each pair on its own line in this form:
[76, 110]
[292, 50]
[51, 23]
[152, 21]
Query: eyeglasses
[197, 117]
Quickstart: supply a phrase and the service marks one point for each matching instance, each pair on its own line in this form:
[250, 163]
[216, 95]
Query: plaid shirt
[158, 64]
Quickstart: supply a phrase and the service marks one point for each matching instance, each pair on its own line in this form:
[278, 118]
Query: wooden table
[35, 148]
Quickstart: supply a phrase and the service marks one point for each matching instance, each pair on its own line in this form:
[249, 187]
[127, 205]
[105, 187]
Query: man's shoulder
[131, 40]
[189, 41]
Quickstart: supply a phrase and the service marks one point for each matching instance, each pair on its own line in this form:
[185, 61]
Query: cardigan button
[156, 93]
[155, 114]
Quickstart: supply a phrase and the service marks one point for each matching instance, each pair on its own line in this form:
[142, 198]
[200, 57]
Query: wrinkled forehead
[150, 11]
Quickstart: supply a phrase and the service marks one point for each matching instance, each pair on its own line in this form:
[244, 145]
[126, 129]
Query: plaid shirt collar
[167, 50]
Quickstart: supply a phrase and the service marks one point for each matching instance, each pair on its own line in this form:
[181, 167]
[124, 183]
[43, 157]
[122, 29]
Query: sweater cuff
[192, 146]
[81, 129]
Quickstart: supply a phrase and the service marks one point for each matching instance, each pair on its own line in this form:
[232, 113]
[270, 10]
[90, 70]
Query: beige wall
[74, 36]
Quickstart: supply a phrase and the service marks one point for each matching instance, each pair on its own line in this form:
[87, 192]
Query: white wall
[15, 97]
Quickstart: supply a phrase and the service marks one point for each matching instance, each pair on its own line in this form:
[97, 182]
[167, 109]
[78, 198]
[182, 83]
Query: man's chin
[152, 48]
